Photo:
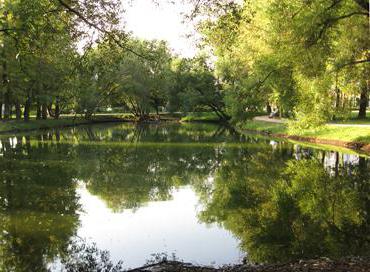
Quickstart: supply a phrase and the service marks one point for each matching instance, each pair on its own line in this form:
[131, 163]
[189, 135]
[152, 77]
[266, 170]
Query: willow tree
[39, 54]
[300, 56]
[145, 81]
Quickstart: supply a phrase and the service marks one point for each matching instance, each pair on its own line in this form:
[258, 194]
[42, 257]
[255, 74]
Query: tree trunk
[18, 112]
[280, 111]
[27, 107]
[38, 111]
[7, 108]
[337, 102]
[1, 111]
[6, 89]
[364, 100]
[337, 98]
[57, 109]
[44, 111]
[268, 108]
[50, 110]
[57, 135]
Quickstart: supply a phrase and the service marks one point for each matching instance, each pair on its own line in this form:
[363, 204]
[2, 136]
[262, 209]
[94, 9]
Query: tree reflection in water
[307, 204]
[282, 201]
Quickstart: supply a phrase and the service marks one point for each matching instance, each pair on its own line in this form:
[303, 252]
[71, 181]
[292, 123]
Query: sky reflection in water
[202, 192]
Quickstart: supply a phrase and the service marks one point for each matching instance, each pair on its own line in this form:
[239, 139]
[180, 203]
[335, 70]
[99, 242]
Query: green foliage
[305, 59]
[197, 87]
[308, 60]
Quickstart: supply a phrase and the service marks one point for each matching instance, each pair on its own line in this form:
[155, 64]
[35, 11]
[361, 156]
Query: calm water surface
[199, 192]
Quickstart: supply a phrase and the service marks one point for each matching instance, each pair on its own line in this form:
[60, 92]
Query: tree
[198, 87]
[264, 58]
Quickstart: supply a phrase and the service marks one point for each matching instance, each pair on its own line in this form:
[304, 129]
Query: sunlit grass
[266, 127]
[327, 132]
[63, 121]
[352, 119]
[14, 126]
[200, 116]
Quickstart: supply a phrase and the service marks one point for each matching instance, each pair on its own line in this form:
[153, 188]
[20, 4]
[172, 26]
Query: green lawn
[70, 120]
[65, 120]
[352, 119]
[11, 126]
[211, 116]
[348, 133]
[200, 117]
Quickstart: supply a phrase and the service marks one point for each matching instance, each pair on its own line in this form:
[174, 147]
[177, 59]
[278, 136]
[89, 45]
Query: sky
[147, 20]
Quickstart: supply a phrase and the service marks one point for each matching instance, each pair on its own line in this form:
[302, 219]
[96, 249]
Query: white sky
[149, 21]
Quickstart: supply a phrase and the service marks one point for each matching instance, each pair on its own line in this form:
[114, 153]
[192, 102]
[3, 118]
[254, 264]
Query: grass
[268, 127]
[211, 116]
[352, 119]
[200, 117]
[337, 133]
[11, 126]
[65, 120]
[348, 134]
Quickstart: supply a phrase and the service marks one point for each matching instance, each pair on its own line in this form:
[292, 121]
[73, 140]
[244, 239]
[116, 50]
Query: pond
[196, 192]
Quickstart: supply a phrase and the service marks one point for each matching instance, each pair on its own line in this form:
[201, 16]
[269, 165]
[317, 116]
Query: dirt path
[265, 118]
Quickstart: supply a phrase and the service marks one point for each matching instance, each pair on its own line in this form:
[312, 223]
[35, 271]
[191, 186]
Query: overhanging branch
[95, 26]
[328, 23]
[355, 62]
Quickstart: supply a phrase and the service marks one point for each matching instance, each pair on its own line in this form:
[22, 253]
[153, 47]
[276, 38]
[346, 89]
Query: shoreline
[355, 138]
[348, 264]
[34, 125]
[353, 145]
[59, 126]
[65, 123]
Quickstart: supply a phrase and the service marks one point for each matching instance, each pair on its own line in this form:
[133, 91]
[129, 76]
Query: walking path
[265, 118]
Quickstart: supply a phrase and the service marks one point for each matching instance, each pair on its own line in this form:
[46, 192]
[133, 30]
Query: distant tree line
[44, 70]
[306, 60]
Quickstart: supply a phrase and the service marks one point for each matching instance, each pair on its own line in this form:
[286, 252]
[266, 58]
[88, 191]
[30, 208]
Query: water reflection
[38, 205]
[170, 227]
[281, 201]
[280, 208]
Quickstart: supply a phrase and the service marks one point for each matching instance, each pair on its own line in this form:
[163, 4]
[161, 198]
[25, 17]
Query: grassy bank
[13, 126]
[211, 116]
[200, 117]
[351, 118]
[348, 136]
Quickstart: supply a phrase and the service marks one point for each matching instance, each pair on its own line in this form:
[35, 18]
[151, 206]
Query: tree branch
[10, 29]
[355, 62]
[329, 23]
[363, 3]
[95, 26]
